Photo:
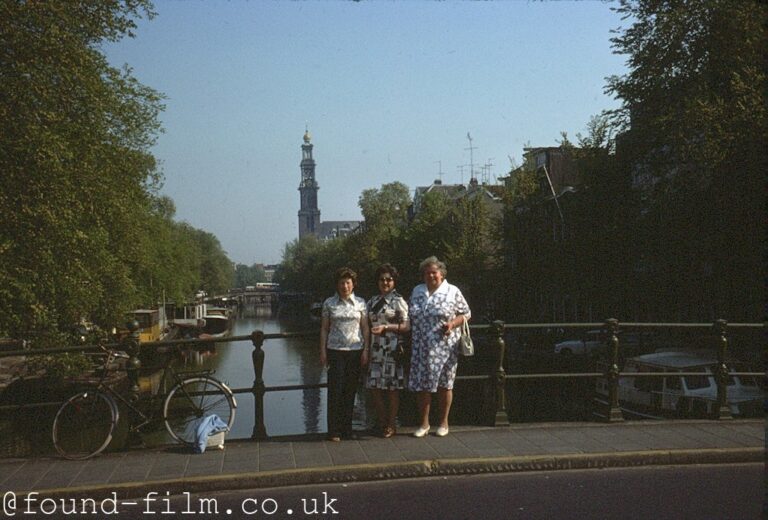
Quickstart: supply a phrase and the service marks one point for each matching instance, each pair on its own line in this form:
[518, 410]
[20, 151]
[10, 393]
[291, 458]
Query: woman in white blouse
[344, 337]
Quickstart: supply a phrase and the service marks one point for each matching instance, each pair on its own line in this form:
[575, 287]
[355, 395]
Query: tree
[472, 251]
[77, 176]
[385, 211]
[694, 104]
[216, 270]
[249, 275]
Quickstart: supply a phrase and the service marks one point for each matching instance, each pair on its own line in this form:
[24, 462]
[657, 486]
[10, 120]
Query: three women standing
[437, 312]
[388, 316]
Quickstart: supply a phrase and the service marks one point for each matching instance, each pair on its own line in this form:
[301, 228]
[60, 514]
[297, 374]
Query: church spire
[309, 214]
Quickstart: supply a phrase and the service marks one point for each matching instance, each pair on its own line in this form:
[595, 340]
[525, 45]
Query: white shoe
[421, 432]
[442, 431]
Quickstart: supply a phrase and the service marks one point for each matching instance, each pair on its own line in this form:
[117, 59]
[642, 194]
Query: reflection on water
[290, 361]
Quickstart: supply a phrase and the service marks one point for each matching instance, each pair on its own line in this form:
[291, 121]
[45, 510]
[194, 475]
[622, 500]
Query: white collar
[444, 287]
[350, 299]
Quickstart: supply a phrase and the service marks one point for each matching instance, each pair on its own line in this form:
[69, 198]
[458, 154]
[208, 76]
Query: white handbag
[465, 342]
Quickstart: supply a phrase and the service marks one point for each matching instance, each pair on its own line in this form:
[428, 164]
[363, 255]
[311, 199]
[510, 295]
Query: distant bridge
[261, 294]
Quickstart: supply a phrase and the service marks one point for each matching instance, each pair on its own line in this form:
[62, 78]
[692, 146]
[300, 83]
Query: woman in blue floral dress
[438, 310]
[388, 317]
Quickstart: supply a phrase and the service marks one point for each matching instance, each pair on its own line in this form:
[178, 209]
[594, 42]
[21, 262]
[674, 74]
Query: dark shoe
[388, 432]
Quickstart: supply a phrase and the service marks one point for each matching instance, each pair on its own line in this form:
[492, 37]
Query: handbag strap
[465, 327]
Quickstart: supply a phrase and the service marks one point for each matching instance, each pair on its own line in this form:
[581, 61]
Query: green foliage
[57, 366]
[77, 176]
[696, 95]
[695, 90]
[664, 222]
[308, 266]
[523, 186]
[84, 233]
[461, 233]
[385, 211]
[249, 275]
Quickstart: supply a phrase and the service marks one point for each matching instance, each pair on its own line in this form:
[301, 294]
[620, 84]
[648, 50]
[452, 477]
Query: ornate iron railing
[496, 375]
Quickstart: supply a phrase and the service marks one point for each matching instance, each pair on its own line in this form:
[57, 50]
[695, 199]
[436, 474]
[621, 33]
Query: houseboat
[153, 325]
[217, 322]
[681, 395]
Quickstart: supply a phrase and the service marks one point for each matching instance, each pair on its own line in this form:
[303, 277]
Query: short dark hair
[389, 269]
[346, 272]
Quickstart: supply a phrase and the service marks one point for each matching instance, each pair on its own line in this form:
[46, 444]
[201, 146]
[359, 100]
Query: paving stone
[204, 467]
[130, 474]
[8, 470]
[346, 452]
[724, 431]
[453, 447]
[276, 461]
[137, 466]
[97, 470]
[383, 455]
[311, 455]
[275, 447]
[60, 475]
[27, 475]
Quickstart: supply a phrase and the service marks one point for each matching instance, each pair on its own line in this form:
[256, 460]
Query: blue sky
[387, 89]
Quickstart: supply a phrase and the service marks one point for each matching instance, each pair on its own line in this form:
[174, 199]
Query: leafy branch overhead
[84, 233]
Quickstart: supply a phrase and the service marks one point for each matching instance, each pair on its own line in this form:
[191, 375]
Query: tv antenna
[487, 171]
[471, 159]
[440, 171]
[461, 171]
[554, 195]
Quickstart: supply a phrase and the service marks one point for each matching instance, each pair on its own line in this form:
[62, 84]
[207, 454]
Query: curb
[416, 469]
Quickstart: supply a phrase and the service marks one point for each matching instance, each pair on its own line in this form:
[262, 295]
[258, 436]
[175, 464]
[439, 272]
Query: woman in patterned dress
[438, 310]
[343, 349]
[388, 317]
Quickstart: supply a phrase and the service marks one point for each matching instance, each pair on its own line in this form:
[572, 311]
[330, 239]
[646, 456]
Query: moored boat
[217, 322]
[681, 395]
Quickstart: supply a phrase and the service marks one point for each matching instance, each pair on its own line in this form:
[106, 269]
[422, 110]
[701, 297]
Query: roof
[334, 228]
[451, 190]
[455, 192]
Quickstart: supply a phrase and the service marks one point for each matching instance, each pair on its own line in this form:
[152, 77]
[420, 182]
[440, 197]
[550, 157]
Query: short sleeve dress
[434, 356]
[383, 372]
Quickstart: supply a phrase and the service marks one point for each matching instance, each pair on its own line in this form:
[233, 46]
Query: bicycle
[85, 423]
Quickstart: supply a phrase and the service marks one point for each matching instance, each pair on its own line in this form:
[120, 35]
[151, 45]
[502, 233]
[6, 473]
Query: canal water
[289, 361]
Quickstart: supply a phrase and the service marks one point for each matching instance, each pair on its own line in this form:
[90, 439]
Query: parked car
[595, 342]
[592, 340]
[682, 396]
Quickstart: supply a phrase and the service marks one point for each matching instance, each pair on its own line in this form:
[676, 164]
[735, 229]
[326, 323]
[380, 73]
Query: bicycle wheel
[84, 424]
[193, 399]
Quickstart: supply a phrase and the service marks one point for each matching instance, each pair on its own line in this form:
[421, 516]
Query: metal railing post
[722, 410]
[131, 345]
[612, 374]
[502, 419]
[257, 356]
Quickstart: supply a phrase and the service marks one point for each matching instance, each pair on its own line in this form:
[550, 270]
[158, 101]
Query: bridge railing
[496, 376]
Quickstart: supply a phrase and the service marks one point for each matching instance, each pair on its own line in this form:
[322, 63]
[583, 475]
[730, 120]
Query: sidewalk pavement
[308, 459]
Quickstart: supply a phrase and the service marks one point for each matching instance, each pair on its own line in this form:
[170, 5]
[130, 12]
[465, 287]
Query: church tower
[309, 214]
